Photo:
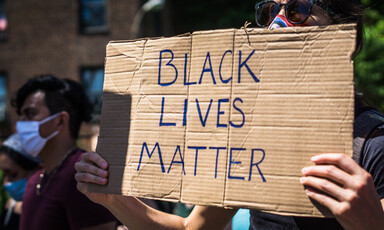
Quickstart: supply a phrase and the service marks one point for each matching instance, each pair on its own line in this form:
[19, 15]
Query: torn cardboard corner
[227, 117]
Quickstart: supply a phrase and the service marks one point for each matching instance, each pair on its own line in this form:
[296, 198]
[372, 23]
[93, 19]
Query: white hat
[13, 142]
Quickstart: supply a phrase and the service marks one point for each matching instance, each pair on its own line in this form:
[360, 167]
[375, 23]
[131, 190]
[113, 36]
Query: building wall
[44, 37]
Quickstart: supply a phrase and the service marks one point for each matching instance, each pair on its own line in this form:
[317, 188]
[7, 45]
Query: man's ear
[64, 120]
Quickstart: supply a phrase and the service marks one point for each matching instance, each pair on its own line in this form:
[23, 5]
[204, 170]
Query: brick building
[66, 38]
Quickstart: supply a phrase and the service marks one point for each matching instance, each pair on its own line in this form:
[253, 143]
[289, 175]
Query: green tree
[369, 64]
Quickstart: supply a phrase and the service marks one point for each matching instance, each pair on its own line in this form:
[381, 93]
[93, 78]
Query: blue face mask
[16, 189]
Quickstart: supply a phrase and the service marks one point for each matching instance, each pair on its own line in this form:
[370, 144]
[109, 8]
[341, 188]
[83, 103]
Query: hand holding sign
[340, 184]
[92, 169]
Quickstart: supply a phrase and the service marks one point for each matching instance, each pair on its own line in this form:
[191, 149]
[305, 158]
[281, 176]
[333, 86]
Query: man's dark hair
[19, 159]
[60, 95]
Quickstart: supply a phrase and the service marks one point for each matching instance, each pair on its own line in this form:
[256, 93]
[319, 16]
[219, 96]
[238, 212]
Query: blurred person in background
[51, 111]
[17, 166]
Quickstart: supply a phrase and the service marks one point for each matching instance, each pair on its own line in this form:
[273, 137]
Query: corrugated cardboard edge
[283, 31]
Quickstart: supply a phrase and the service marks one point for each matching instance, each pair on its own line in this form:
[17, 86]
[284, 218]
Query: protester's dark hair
[348, 11]
[19, 159]
[60, 95]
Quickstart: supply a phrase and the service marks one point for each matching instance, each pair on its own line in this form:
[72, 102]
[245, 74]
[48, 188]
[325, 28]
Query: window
[93, 80]
[93, 16]
[3, 21]
[3, 97]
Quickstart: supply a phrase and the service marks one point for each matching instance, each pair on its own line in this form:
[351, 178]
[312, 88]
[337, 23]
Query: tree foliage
[369, 64]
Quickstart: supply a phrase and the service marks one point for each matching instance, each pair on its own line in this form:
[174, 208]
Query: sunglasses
[296, 11]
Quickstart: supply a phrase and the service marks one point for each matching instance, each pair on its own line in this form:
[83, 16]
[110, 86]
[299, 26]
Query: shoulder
[75, 156]
[374, 146]
[373, 157]
[68, 167]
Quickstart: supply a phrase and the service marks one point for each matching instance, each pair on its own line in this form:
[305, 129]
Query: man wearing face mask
[352, 191]
[51, 111]
[17, 166]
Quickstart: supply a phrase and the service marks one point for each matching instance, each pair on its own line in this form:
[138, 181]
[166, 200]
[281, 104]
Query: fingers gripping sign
[346, 189]
[91, 169]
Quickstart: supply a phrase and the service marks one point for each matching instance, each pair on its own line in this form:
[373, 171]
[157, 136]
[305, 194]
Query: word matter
[178, 159]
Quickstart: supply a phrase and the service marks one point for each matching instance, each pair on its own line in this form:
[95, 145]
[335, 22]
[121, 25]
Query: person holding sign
[353, 192]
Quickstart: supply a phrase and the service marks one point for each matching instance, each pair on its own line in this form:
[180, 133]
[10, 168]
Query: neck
[55, 151]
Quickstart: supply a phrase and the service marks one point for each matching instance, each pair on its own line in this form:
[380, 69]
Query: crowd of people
[45, 175]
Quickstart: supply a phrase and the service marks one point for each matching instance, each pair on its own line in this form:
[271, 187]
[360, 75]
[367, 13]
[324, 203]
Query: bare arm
[346, 189]
[134, 213]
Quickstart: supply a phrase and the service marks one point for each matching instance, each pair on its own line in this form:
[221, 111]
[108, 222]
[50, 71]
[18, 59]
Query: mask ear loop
[52, 135]
[48, 119]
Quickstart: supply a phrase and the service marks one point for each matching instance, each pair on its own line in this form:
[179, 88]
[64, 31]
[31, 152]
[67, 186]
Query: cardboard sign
[227, 117]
